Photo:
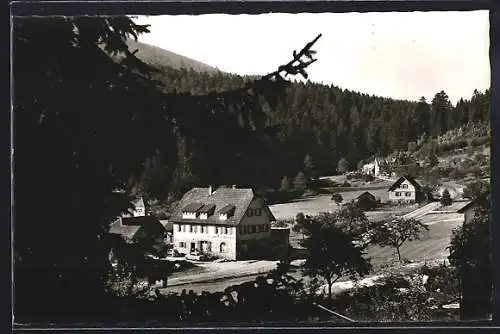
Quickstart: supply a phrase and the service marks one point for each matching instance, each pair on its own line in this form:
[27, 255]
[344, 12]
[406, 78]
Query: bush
[346, 184]
[368, 178]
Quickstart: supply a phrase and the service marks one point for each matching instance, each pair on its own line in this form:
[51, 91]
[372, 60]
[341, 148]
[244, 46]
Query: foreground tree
[88, 115]
[396, 232]
[331, 253]
[470, 253]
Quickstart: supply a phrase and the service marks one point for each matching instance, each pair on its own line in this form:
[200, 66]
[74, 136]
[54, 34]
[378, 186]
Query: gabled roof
[475, 203]
[240, 198]
[139, 203]
[128, 227]
[366, 194]
[127, 231]
[410, 179]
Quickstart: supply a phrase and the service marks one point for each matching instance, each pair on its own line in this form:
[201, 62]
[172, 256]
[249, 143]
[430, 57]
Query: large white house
[231, 223]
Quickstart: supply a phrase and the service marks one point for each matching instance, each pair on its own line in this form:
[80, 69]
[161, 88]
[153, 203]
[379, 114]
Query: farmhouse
[405, 190]
[230, 223]
[376, 168]
[137, 229]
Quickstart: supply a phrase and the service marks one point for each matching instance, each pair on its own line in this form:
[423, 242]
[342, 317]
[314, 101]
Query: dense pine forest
[319, 126]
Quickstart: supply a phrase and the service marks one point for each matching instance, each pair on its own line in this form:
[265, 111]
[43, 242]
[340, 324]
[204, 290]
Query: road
[420, 212]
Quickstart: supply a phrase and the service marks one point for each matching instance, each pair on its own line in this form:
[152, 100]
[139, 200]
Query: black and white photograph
[251, 169]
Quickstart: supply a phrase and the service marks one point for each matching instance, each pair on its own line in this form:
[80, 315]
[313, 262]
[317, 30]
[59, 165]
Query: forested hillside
[324, 123]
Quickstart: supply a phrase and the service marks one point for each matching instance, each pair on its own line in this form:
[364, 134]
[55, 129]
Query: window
[222, 247]
[191, 228]
[258, 212]
[398, 193]
[254, 229]
[407, 194]
[182, 244]
[179, 228]
[205, 229]
[404, 186]
[216, 230]
[183, 228]
[242, 230]
[226, 230]
[230, 230]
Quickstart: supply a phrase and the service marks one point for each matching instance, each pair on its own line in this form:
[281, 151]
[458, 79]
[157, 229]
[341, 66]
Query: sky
[399, 55]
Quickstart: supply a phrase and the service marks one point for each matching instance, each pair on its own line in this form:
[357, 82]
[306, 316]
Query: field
[323, 203]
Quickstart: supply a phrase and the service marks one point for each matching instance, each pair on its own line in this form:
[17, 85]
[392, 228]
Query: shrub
[368, 178]
[346, 184]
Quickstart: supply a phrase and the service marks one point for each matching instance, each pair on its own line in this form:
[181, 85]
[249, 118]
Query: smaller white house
[374, 168]
[405, 190]
[138, 211]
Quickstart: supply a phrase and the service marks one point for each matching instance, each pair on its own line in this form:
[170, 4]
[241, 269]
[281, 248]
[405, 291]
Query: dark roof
[476, 202]
[240, 198]
[401, 179]
[366, 194]
[139, 221]
[192, 207]
[128, 227]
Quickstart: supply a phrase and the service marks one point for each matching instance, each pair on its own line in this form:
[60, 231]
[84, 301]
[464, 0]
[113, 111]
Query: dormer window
[191, 211]
[206, 211]
[226, 212]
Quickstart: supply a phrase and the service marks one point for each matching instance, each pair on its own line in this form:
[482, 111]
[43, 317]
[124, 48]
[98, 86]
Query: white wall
[210, 235]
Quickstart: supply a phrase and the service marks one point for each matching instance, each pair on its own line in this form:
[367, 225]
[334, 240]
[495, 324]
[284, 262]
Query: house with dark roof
[405, 190]
[469, 211]
[138, 229]
[231, 223]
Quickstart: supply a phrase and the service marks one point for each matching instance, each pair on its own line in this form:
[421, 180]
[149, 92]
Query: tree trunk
[399, 254]
[330, 283]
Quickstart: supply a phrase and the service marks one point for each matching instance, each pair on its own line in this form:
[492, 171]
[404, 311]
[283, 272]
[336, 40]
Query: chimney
[209, 190]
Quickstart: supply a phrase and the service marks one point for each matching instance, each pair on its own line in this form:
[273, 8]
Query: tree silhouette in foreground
[85, 123]
[396, 232]
[331, 253]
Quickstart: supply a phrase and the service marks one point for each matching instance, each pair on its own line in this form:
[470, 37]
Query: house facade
[230, 223]
[405, 190]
